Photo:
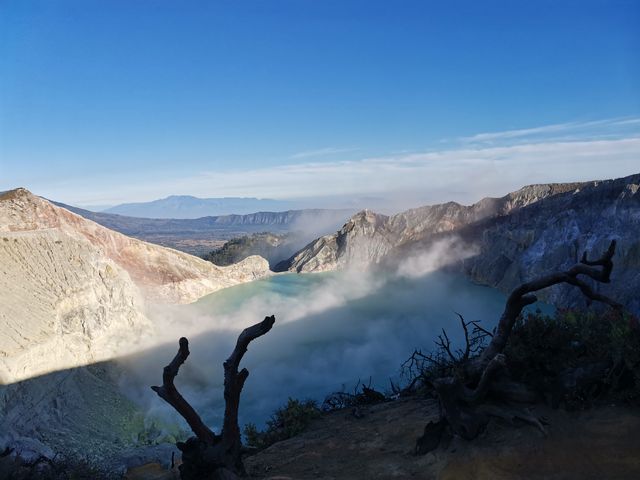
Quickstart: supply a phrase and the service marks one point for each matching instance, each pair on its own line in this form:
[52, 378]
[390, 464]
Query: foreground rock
[594, 444]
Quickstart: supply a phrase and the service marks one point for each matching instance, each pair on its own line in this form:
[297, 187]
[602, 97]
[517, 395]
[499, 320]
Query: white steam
[442, 253]
[331, 330]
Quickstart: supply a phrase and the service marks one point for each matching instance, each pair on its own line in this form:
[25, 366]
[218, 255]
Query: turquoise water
[287, 285]
[331, 330]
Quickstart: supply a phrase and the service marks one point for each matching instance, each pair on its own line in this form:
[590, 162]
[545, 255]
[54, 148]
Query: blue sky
[109, 101]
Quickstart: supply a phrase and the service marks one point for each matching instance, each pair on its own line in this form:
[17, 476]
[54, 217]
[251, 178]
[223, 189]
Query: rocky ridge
[74, 292]
[368, 236]
[539, 228]
[198, 236]
[552, 234]
[287, 220]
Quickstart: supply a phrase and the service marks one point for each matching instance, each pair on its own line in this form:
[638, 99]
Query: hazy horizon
[385, 202]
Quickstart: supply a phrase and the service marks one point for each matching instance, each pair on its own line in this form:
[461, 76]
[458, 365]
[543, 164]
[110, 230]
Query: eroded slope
[73, 292]
[368, 236]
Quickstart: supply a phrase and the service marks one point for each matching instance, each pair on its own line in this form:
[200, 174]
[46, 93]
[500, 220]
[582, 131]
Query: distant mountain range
[190, 207]
[199, 236]
[186, 206]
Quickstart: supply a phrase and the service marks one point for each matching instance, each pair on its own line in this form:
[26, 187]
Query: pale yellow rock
[73, 292]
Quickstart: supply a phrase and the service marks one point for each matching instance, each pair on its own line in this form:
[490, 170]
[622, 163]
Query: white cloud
[548, 132]
[321, 152]
[476, 171]
[464, 173]
[484, 137]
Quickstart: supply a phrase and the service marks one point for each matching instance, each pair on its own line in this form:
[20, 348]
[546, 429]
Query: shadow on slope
[329, 333]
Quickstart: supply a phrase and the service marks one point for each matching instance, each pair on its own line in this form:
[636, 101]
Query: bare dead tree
[170, 394]
[466, 379]
[598, 270]
[207, 455]
[421, 367]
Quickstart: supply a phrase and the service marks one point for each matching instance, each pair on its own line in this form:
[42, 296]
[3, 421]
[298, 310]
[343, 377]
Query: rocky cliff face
[552, 234]
[368, 237]
[271, 246]
[163, 274]
[63, 304]
[362, 240]
[537, 229]
[73, 292]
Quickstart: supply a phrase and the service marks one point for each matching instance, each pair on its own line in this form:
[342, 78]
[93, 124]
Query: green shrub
[544, 351]
[286, 422]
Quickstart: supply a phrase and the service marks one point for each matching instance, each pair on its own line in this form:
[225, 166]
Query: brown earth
[594, 444]
[601, 443]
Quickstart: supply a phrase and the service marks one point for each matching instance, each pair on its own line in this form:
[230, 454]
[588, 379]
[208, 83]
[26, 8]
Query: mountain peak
[368, 216]
[19, 192]
[370, 236]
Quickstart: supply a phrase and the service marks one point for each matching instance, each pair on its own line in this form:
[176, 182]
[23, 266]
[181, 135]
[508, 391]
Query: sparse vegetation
[265, 244]
[476, 383]
[421, 368]
[287, 421]
[575, 358]
[294, 417]
[362, 395]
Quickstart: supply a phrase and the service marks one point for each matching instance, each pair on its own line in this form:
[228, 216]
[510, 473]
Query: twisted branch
[598, 270]
[234, 380]
[169, 393]
[217, 453]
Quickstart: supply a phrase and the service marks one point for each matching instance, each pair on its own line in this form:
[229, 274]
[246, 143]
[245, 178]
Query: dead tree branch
[467, 349]
[476, 395]
[464, 381]
[209, 455]
[523, 296]
[445, 344]
[478, 329]
[169, 393]
[234, 381]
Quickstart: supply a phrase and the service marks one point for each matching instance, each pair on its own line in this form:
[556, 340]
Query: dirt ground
[602, 443]
[598, 444]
